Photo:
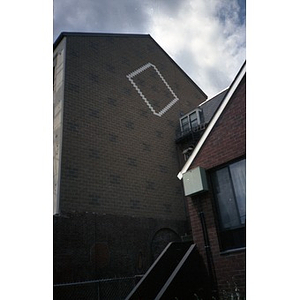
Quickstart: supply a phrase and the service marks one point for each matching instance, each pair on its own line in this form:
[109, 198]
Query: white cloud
[100, 16]
[206, 39]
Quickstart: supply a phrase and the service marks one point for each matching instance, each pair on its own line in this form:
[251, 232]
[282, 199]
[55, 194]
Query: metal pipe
[210, 262]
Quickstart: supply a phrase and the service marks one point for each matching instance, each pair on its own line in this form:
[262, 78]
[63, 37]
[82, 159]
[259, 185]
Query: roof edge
[215, 118]
[191, 80]
[70, 33]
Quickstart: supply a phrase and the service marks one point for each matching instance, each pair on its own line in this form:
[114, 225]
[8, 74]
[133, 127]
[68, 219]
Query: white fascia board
[213, 121]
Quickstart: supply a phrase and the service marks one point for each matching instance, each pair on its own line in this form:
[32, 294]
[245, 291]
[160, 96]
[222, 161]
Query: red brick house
[214, 179]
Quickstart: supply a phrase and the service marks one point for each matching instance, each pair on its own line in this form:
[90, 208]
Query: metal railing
[195, 131]
[102, 289]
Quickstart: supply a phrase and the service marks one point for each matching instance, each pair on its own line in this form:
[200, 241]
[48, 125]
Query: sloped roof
[215, 118]
[210, 106]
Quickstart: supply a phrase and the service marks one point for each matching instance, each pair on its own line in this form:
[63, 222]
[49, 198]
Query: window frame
[189, 122]
[233, 238]
[185, 126]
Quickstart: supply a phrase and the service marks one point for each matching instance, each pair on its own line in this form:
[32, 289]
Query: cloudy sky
[206, 38]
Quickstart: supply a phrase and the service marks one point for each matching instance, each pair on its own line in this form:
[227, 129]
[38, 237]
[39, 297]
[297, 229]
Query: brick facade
[90, 246]
[113, 145]
[118, 159]
[226, 142]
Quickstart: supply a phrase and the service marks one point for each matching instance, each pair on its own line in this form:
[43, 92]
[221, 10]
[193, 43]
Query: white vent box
[194, 181]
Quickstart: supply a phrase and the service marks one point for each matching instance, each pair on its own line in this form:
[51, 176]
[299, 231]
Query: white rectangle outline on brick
[142, 69]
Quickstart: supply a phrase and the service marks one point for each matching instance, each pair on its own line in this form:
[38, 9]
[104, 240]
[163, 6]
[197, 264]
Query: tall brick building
[214, 179]
[117, 201]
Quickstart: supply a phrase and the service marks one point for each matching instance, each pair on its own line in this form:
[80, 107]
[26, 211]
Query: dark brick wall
[226, 142]
[90, 246]
[114, 147]
[118, 187]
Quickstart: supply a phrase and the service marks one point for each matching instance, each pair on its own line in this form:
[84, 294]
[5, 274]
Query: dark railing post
[98, 287]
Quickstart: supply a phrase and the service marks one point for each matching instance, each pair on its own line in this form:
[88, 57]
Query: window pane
[193, 116]
[234, 238]
[194, 123]
[193, 119]
[201, 116]
[184, 124]
[225, 196]
[238, 175]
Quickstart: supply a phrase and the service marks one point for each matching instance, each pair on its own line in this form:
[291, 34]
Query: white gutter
[213, 121]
